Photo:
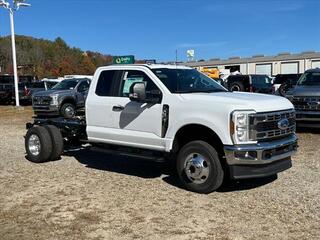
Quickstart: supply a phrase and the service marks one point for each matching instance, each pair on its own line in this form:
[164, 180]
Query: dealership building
[283, 63]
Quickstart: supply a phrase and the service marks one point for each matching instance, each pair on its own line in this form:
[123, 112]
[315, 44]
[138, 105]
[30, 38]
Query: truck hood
[306, 91]
[52, 92]
[241, 101]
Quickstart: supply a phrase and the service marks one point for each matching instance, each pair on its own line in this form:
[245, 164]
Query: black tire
[237, 87]
[57, 140]
[68, 110]
[282, 90]
[45, 142]
[211, 164]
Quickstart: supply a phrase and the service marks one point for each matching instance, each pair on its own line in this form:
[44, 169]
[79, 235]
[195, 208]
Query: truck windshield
[310, 79]
[50, 85]
[187, 81]
[66, 85]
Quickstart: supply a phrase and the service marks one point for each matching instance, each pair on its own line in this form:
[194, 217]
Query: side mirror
[138, 92]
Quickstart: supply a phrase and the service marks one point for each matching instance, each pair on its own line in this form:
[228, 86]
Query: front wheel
[282, 90]
[199, 167]
[68, 110]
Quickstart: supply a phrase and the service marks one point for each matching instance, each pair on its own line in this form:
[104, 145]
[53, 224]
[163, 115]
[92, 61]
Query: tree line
[43, 58]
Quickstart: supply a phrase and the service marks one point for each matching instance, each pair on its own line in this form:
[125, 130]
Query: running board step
[142, 154]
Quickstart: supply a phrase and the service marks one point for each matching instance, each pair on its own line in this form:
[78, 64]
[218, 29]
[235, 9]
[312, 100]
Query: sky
[155, 29]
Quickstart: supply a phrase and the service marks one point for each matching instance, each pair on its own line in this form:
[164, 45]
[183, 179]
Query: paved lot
[90, 195]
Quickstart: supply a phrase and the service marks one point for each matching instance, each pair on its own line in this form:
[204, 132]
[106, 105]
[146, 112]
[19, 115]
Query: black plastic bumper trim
[258, 171]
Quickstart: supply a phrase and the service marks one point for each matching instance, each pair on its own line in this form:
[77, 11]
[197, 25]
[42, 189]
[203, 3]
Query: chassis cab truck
[175, 113]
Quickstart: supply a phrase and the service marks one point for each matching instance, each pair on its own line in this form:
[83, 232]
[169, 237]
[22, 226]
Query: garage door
[315, 64]
[289, 68]
[264, 69]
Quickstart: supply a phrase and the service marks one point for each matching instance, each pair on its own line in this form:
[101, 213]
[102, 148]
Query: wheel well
[194, 132]
[69, 100]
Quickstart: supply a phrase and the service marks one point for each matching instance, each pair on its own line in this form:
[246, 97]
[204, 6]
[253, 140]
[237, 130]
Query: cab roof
[315, 70]
[152, 66]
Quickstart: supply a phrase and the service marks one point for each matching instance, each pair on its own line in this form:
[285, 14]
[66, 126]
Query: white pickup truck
[175, 113]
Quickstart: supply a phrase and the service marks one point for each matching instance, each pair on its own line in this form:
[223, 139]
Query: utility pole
[16, 5]
[14, 58]
[176, 56]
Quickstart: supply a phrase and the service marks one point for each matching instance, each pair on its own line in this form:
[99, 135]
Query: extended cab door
[113, 118]
[138, 123]
[99, 106]
[82, 92]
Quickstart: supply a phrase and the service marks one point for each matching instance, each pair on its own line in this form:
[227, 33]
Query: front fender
[63, 99]
[221, 128]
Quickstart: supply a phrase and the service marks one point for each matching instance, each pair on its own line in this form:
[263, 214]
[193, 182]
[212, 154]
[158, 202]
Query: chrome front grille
[5, 87]
[41, 100]
[306, 103]
[265, 126]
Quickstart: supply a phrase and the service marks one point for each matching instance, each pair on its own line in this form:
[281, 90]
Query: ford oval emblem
[313, 104]
[283, 124]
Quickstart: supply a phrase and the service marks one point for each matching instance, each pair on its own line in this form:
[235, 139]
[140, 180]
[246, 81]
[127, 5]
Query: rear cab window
[261, 81]
[106, 83]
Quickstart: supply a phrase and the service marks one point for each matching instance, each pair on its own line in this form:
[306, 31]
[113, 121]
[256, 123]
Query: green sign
[123, 60]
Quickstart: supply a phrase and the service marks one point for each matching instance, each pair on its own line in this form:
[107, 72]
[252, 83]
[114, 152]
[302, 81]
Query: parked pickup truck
[249, 83]
[174, 113]
[306, 99]
[63, 99]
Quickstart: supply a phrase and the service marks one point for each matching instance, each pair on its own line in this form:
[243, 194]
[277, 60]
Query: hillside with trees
[50, 59]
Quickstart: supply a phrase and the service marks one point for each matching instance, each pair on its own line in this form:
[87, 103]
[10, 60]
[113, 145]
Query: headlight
[240, 127]
[289, 97]
[54, 100]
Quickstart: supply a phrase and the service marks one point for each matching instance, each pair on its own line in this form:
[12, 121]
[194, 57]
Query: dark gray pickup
[306, 99]
[63, 99]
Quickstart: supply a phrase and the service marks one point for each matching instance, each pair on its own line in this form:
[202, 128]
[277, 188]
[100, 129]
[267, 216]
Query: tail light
[273, 90]
[26, 91]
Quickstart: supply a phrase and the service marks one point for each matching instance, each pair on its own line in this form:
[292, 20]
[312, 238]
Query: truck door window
[261, 81]
[130, 77]
[84, 86]
[105, 83]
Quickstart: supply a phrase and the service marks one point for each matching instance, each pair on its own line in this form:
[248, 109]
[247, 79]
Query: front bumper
[309, 119]
[259, 171]
[46, 109]
[261, 159]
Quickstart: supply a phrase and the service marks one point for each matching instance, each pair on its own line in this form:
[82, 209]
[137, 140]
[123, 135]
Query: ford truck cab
[306, 99]
[206, 131]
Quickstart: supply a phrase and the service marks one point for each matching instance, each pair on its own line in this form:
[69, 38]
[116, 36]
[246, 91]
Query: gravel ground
[91, 195]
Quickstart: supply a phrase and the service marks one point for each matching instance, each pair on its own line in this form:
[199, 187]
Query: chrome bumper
[50, 109]
[261, 153]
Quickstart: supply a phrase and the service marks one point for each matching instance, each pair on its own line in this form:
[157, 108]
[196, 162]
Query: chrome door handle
[117, 108]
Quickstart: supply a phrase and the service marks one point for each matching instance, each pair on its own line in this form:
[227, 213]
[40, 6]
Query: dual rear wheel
[43, 143]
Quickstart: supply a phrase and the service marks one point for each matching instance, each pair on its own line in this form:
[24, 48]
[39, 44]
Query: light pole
[16, 5]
